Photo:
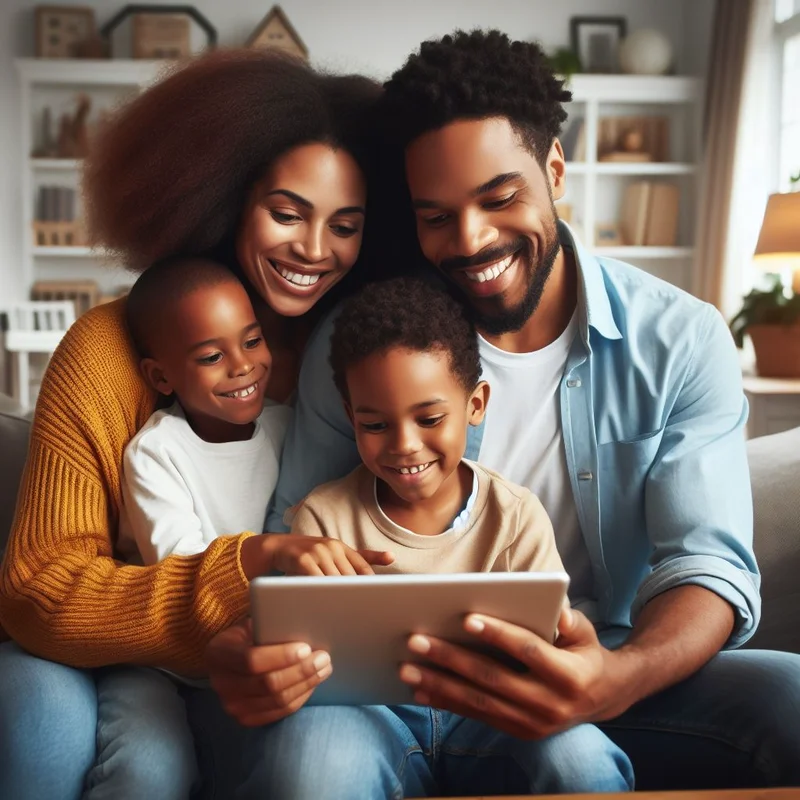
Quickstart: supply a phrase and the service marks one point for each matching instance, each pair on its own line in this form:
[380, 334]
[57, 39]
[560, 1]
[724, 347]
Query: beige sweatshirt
[508, 529]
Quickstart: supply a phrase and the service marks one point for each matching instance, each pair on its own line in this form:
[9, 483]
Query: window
[789, 156]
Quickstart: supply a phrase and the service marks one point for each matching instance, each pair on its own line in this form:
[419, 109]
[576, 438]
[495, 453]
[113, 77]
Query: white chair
[34, 327]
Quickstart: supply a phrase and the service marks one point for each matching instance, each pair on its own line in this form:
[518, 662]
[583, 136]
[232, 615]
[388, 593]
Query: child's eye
[431, 422]
[210, 359]
[251, 344]
[345, 231]
[435, 221]
[494, 205]
[373, 427]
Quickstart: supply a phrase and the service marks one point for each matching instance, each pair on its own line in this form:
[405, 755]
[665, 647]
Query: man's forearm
[676, 634]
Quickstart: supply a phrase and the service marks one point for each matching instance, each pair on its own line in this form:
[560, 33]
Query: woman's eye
[213, 358]
[431, 422]
[493, 205]
[344, 231]
[373, 427]
[251, 344]
[283, 217]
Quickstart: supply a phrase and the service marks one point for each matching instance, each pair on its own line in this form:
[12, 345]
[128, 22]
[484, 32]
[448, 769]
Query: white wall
[373, 37]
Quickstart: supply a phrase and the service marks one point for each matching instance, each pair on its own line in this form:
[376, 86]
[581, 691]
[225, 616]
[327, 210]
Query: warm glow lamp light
[778, 246]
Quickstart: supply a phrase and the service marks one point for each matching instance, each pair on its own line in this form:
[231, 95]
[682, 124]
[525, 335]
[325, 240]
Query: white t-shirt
[180, 492]
[524, 443]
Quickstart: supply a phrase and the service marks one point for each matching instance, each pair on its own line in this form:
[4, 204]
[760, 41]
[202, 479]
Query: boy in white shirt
[207, 465]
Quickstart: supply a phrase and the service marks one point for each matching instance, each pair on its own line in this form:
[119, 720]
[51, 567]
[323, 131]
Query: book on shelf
[55, 204]
[649, 215]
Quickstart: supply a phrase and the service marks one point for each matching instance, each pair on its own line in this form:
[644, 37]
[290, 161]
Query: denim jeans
[735, 723]
[325, 752]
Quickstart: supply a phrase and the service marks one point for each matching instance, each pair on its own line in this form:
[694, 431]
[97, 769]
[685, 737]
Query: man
[617, 400]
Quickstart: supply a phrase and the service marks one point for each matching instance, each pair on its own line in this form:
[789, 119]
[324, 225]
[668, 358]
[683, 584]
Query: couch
[775, 473]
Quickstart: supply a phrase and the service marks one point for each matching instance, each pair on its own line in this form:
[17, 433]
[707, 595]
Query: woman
[261, 162]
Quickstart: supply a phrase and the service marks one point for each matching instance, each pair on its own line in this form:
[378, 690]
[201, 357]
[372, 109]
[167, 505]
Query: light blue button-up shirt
[652, 412]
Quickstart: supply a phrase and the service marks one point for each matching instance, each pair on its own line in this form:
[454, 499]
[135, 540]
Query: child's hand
[294, 554]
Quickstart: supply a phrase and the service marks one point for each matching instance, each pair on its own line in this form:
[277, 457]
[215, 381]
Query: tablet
[364, 621]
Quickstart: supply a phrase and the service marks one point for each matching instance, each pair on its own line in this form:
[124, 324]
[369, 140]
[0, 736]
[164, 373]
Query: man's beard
[500, 320]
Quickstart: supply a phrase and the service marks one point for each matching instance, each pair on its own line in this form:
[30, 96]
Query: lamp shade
[779, 239]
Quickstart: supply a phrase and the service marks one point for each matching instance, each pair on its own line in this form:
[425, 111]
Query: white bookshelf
[595, 188]
[55, 83]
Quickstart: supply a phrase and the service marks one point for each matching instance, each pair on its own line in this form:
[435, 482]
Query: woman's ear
[154, 375]
[476, 405]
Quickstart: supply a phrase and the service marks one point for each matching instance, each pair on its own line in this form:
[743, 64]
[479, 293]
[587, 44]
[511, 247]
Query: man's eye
[431, 422]
[213, 358]
[283, 217]
[373, 427]
[251, 344]
[493, 205]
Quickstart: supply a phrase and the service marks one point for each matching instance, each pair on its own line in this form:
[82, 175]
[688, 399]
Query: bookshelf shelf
[626, 252]
[665, 113]
[56, 164]
[68, 252]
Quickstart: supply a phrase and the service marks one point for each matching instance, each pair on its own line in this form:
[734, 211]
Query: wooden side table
[774, 404]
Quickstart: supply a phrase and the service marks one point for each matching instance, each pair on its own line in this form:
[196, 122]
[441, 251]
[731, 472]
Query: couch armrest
[14, 434]
[775, 476]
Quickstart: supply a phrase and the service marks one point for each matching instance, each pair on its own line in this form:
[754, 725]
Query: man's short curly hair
[476, 75]
[170, 172]
[409, 314]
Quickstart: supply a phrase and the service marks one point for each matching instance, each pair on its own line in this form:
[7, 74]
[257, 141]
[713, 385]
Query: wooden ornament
[276, 32]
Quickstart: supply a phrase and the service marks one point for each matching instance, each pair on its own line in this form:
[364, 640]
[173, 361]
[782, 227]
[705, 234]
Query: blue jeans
[415, 751]
[734, 723]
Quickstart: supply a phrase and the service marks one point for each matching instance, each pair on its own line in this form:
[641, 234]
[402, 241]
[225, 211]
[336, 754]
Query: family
[362, 341]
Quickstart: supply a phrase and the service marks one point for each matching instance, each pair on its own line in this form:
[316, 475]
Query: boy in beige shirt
[406, 361]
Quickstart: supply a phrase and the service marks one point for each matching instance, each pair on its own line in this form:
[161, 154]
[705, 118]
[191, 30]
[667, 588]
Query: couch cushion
[775, 475]
[13, 451]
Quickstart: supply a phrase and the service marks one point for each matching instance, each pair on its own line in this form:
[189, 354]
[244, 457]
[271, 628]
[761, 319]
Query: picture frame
[60, 30]
[595, 40]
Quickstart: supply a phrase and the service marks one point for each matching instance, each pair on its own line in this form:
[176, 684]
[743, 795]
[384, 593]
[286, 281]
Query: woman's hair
[476, 75]
[171, 172]
[410, 314]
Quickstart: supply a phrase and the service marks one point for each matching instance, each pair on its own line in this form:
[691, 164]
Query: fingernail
[410, 674]
[303, 651]
[474, 624]
[321, 661]
[419, 644]
[325, 673]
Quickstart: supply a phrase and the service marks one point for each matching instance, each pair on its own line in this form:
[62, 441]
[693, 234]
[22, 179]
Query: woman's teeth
[296, 278]
[242, 392]
[413, 470]
[490, 273]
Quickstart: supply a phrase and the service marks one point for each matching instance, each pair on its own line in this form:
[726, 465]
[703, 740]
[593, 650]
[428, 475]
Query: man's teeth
[413, 470]
[296, 278]
[243, 392]
[490, 273]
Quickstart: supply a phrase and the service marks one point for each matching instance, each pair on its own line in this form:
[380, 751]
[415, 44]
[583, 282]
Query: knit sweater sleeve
[63, 593]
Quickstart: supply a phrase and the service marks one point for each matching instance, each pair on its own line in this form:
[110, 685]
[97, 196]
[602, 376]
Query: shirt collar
[594, 306]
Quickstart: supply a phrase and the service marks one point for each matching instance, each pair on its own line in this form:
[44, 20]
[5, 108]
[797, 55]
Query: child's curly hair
[409, 314]
[171, 172]
[476, 75]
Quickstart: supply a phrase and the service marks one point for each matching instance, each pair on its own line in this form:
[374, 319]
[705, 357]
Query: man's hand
[313, 555]
[259, 685]
[576, 680]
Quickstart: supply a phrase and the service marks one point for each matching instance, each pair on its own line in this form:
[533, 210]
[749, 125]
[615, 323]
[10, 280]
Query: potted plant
[772, 320]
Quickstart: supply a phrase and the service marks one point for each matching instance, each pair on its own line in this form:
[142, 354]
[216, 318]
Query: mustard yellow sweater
[63, 594]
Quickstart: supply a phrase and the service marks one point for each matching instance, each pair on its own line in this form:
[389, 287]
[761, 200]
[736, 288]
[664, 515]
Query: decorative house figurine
[275, 31]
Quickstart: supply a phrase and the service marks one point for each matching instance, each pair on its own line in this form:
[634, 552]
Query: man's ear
[555, 170]
[154, 375]
[476, 405]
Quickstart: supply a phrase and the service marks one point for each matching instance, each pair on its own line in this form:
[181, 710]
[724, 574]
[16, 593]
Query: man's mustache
[487, 256]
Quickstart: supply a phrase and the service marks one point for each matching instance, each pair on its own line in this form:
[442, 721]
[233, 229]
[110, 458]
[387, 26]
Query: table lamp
[777, 346]
[778, 246]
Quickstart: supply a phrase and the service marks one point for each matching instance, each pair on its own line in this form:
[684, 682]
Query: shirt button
[585, 475]
[574, 383]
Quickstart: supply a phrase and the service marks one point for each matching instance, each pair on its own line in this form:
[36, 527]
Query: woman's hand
[293, 554]
[262, 684]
